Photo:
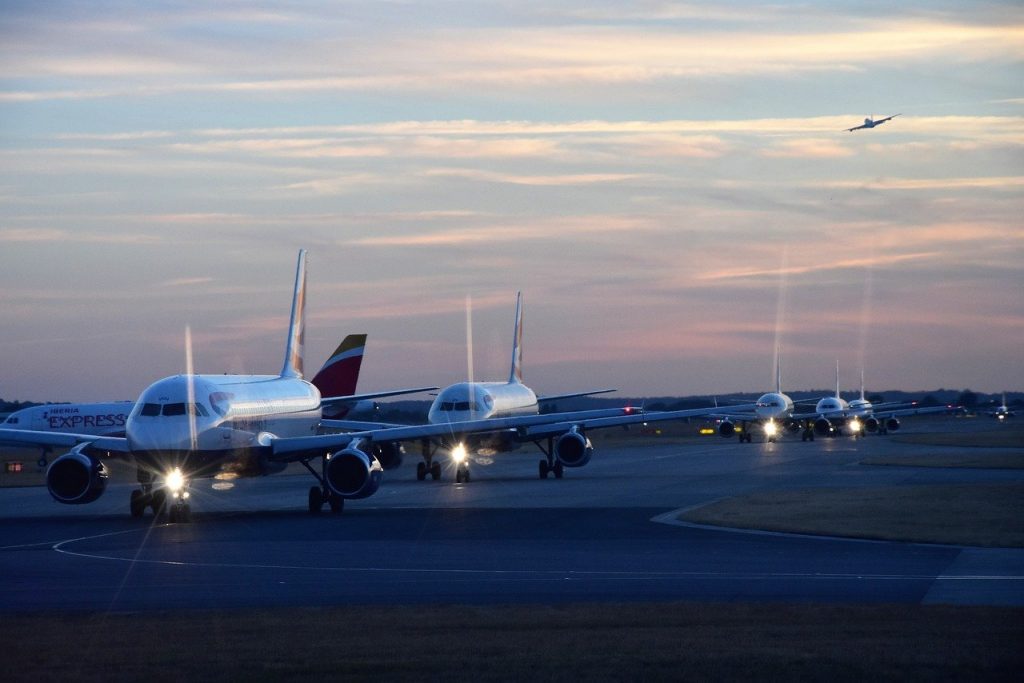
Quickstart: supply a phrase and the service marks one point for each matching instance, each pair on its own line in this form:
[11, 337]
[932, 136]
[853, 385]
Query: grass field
[986, 515]
[649, 642]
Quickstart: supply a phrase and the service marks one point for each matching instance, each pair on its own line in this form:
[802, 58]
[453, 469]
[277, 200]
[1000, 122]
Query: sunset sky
[669, 184]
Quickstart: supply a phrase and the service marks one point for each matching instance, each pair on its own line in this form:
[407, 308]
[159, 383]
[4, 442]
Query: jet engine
[389, 454]
[352, 473]
[822, 427]
[573, 449]
[727, 428]
[75, 478]
[871, 424]
[892, 424]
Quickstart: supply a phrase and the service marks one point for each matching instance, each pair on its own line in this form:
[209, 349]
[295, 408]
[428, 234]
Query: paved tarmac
[599, 534]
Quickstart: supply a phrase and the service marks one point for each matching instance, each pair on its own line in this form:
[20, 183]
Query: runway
[505, 537]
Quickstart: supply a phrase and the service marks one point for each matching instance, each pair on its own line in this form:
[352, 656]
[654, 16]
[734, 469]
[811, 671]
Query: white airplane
[773, 412]
[337, 378]
[470, 402]
[1001, 412]
[871, 123]
[859, 416]
[190, 426]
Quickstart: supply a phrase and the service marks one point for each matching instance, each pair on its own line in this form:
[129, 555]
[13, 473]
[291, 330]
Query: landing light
[855, 425]
[459, 453]
[175, 480]
[770, 428]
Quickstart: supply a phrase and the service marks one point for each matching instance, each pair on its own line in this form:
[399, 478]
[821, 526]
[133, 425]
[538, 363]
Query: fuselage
[833, 406]
[774, 406]
[482, 400]
[103, 419]
[205, 424]
[860, 407]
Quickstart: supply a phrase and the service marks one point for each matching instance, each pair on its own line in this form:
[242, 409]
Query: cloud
[809, 148]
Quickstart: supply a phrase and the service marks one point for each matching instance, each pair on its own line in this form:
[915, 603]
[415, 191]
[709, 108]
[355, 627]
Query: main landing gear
[807, 434]
[549, 464]
[319, 495]
[428, 466]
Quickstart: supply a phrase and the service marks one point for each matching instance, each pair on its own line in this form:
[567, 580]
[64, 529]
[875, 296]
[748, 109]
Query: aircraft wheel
[542, 467]
[559, 470]
[316, 500]
[771, 439]
[158, 501]
[458, 475]
[337, 503]
[464, 472]
[435, 471]
[138, 503]
[421, 471]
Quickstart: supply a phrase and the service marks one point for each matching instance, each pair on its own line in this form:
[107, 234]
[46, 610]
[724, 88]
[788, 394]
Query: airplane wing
[558, 397]
[291, 449]
[28, 437]
[916, 411]
[353, 398]
[887, 118]
[848, 130]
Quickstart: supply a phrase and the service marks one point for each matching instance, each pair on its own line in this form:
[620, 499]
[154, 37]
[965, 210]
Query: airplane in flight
[871, 123]
[468, 402]
[192, 426]
[1001, 412]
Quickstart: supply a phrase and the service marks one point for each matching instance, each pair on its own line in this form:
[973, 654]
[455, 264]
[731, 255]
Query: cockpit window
[176, 409]
[449, 406]
[150, 409]
[220, 401]
[11, 421]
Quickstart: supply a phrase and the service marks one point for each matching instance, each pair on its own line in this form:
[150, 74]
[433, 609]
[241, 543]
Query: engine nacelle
[822, 427]
[871, 424]
[75, 478]
[573, 449]
[389, 454]
[351, 473]
[892, 424]
[726, 428]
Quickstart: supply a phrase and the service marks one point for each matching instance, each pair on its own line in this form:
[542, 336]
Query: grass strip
[986, 515]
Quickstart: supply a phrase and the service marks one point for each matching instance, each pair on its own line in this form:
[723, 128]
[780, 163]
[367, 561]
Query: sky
[669, 184]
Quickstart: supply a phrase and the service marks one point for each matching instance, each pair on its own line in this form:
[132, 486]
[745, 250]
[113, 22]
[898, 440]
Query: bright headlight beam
[175, 480]
[459, 453]
[770, 428]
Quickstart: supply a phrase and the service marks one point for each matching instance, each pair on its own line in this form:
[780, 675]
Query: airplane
[773, 411]
[1001, 412]
[192, 426]
[337, 378]
[475, 401]
[871, 123]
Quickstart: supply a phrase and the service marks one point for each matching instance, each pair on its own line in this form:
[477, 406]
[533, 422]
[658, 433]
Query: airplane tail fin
[516, 374]
[339, 375]
[862, 384]
[297, 328]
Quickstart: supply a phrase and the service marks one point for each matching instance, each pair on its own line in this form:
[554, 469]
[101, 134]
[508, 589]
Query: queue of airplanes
[192, 426]
[776, 412]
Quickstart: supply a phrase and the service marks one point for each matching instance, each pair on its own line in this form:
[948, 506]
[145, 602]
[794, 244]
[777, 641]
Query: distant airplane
[563, 444]
[1001, 412]
[190, 426]
[871, 123]
[101, 419]
[773, 412]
